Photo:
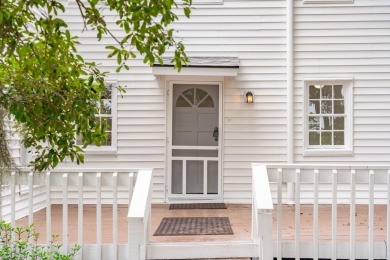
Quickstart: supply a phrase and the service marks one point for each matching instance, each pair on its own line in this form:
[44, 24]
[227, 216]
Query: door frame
[193, 197]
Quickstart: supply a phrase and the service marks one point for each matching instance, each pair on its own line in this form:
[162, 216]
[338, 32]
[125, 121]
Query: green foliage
[49, 90]
[20, 248]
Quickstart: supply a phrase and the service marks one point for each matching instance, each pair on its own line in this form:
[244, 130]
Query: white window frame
[347, 148]
[328, 1]
[112, 149]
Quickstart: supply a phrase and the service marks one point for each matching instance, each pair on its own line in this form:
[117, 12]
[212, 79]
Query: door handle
[215, 134]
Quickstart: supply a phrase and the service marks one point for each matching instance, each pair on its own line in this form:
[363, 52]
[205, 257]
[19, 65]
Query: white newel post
[139, 216]
[262, 209]
[264, 219]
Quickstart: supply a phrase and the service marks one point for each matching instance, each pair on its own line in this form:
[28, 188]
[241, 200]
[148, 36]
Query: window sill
[328, 1]
[328, 152]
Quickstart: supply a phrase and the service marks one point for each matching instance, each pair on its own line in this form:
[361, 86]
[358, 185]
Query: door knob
[215, 134]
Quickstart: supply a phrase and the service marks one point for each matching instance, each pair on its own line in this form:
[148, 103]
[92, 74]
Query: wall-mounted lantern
[249, 97]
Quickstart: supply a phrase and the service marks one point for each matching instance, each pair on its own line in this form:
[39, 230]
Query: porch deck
[239, 215]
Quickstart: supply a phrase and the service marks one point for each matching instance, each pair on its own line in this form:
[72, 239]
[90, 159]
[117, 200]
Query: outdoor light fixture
[249, 97]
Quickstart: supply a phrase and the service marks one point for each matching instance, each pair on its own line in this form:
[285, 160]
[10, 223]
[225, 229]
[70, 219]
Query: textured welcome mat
[194, 226]
[198, 206]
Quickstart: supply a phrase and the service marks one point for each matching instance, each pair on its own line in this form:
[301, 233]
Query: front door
[194, 150]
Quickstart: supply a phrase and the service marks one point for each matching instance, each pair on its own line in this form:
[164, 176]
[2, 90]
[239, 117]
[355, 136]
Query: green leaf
[119, 58]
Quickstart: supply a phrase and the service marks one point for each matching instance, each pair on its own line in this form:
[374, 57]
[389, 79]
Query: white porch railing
[324, 183]
[77, 186]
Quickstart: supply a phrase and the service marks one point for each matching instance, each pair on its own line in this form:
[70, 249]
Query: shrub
[15, 245]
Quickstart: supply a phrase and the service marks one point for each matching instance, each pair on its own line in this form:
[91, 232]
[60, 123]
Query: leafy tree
[49, 90]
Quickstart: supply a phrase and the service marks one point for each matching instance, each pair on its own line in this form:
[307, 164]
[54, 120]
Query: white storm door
[195, 153]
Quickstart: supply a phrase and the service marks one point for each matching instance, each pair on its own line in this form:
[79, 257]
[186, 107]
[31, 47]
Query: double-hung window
[328, 117]
[107, 113]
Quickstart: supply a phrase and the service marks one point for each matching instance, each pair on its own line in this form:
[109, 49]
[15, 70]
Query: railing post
[139, 216]
[262, 209]
[264, 219]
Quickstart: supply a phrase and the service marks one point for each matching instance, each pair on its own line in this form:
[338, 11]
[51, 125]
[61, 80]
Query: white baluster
[13, 209]
[65, 212]
[371, 215]
[48, 208]
[115, 215]
[297, 213]
[388, 215]
[131, 186]
[80, 219]
[280, 213]
[30, 202]
[98, 215]
[334, 214]
[352, 226]
[315, 215]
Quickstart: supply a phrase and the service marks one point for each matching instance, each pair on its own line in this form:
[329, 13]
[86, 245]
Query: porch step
[241, 250]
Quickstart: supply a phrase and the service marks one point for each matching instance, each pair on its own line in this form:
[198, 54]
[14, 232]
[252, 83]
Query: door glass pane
[194, 177]
[200, 95]
[208, 102]
[189, 94]
[181, 102]
[212, 177]
[177, 177]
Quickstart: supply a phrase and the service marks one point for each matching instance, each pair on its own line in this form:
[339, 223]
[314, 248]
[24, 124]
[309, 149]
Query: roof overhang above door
[200, 66]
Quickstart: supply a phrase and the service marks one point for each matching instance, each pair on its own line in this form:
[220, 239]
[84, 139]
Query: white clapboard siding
[250, 30]
[331, 40]
[22, 201]
[347, 41]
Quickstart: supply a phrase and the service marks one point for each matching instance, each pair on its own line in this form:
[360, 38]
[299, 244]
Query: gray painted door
[195, 136]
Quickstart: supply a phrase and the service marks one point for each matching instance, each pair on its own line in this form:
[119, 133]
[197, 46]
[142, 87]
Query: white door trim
[193, 197]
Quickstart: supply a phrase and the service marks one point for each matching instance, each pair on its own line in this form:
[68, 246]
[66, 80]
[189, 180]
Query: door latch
[215, 134]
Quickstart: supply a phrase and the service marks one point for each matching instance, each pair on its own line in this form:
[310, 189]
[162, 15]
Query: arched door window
[194, 97]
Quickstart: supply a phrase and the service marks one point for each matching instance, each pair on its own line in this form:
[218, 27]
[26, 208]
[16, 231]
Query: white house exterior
[328, 59]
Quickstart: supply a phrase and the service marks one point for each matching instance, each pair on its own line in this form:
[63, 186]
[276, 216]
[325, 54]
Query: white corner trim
[192, 71]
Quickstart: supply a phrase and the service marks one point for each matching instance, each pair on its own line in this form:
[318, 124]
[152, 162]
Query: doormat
[194, 226]
[198, 206]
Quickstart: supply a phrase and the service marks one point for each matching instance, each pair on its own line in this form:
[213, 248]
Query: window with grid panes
[328, 116]
[106, 114]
